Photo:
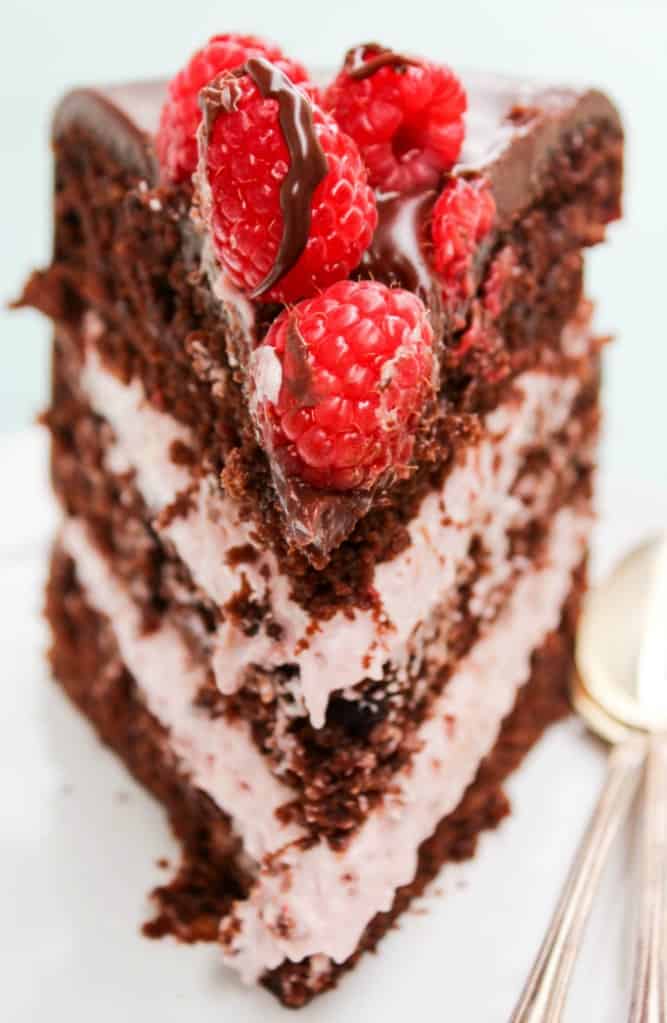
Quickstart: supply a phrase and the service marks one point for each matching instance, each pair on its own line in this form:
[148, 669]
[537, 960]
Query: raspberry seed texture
[275, 238]
[340, 384]
[180, 116]
[406, 116]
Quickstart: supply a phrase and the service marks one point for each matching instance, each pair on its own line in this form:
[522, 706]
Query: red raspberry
[180, 117]
[498, 278]
[462, 217]
[247, 160]
[405, 115]
[340, 384]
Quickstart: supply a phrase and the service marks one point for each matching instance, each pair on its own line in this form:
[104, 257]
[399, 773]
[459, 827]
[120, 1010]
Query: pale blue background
[48, 46]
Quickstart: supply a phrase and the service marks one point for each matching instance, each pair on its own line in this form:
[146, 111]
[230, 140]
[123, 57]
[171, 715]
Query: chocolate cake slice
[324, 442]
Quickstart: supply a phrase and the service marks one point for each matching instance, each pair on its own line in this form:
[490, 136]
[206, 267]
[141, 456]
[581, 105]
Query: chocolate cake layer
[86, 661]
[126, 247]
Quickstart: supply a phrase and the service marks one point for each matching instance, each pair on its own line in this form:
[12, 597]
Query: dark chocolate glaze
[308, 165]
[396, 254]
[359, 68]
[512, 152]
[124, 118]
[318, 520]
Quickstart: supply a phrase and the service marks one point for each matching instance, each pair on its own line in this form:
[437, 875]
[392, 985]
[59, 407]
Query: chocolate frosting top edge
[514, 129]
[123, 118]
[517, 170]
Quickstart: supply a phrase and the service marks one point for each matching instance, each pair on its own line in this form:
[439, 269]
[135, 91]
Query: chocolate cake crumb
[244, 554]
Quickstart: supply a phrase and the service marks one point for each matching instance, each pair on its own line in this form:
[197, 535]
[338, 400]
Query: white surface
[79, 841]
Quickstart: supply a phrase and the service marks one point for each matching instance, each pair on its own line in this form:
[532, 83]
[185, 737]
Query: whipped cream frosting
[317, 901]
[342, 651]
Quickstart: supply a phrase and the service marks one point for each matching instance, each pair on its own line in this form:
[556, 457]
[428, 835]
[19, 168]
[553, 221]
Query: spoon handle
[543, 997]
[649, 987]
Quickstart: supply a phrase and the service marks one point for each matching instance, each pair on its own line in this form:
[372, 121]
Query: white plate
[79, 843]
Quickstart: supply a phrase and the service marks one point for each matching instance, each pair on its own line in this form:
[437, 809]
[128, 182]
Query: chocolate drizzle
[308, 165]
[223, 93]
[297, 375]
[358, 67]
[307, 162]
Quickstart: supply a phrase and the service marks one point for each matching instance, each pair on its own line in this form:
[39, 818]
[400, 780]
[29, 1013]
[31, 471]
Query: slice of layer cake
[324, 426]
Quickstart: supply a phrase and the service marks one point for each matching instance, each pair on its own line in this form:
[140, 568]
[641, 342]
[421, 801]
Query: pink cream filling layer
[318, 901]
[341, 651]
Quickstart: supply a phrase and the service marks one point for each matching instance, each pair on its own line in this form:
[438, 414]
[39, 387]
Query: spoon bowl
[624, 677]
[597, 719]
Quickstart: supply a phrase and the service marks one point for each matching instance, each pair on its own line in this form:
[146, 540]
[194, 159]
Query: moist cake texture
[324, 674]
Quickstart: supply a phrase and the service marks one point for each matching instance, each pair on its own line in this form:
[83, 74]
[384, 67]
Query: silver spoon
[620, 690]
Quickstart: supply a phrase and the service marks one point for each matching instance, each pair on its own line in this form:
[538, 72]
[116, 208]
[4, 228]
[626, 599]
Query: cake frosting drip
[314, 901]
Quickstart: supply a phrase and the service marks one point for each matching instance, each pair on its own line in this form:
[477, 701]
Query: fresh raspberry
[405, 115]
[255, 206]
[180, 117]
[340, 384]
[482, 337]
[463, 216]
[497, 283]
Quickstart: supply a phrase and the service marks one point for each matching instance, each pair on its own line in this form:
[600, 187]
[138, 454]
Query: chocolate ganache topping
[396, 254]
[358, 67]
[308, 164]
